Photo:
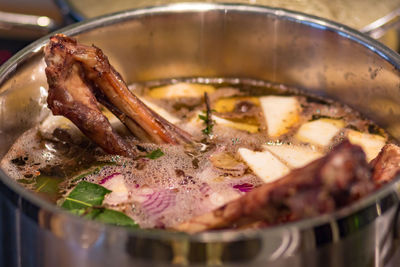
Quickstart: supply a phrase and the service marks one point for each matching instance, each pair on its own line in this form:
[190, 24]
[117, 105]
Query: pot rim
[392, 188]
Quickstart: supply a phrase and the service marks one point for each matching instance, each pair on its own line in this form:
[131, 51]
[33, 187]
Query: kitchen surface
[37, 18]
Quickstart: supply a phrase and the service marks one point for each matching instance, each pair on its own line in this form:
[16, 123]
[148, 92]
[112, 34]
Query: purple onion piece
[158, 202]
[105, 179]
[245, 187]
[205, 189]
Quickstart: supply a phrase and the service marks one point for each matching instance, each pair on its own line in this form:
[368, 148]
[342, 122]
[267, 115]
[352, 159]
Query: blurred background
[12, 39]
[23, 21]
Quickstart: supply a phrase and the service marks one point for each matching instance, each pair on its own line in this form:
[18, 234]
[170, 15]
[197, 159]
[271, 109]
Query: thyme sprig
[208, 117]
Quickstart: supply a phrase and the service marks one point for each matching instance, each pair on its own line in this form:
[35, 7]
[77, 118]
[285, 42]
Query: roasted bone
[78, 74]
[71, 96]
[322, 186]
[387, 164]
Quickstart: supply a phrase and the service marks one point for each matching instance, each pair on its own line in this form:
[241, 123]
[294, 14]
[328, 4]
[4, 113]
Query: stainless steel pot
[209, 40]
[380, 19]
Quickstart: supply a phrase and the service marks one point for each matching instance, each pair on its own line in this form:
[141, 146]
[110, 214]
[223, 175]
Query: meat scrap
[329, 183]
[79, 77]
[387, 164]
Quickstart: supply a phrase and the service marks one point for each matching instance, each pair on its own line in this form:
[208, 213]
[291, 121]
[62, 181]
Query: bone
[70, 64]
[70, 96]
[329, 183]
[387, 164]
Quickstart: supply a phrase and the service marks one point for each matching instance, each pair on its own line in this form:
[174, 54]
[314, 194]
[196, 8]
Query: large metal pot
[209, 40]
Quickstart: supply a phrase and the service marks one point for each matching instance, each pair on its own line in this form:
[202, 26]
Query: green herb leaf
[155, 154]
[202, 117]
[85, 195]
[46, 184]
[111, 217]
[85, 199]
[208, 129]
[207, 118]
[207, 122]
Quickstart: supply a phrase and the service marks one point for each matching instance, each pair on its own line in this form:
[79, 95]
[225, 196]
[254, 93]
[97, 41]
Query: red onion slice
[105, 179]
[158, 202]
[205, 189]
[245, 187]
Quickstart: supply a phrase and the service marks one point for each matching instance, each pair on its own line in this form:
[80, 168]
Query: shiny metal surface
[209, 40]
[356, 13]
[374, 17]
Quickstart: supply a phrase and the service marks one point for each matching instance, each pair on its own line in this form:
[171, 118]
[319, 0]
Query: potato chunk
[319, 132]
[294, 155]
[280, 112]
[178, 90]
[370, 143]
[251, 128]
[264, 164]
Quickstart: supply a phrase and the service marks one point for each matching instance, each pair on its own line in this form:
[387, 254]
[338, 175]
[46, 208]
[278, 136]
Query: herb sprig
[86, 200]
[155, 154]
[208, 117]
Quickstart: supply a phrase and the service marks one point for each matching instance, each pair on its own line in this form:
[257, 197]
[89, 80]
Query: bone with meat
[331, 182]
[387, 164]
[79, 77]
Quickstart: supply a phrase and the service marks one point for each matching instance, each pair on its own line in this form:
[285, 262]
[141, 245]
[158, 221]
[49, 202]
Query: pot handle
[379, 27]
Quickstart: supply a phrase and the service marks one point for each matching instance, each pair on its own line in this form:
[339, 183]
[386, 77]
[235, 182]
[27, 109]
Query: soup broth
[251, 133]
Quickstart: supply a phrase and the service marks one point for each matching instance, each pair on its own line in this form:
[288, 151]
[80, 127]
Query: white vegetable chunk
[119, 190]
[295, 156]
[264, 164]
[370, 143]
[280, 112]
[196, 121]
[236, 125]
[319, 132]
[180, 90]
